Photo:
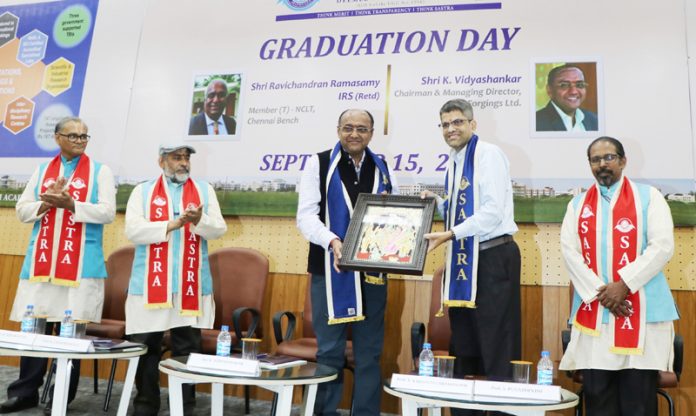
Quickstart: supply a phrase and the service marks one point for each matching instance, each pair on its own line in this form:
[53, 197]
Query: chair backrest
[307, 327]
[239, 280]
[118, 268]
[438, 328]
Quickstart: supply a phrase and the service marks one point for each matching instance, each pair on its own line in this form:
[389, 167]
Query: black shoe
[15, 404]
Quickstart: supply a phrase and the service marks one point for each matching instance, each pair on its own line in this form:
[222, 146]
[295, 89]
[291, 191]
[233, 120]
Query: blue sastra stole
[459, 278]
[343, 293]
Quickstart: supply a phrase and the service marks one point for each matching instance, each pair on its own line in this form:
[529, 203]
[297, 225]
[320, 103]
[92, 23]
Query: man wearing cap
[170, 219]
[68, 200]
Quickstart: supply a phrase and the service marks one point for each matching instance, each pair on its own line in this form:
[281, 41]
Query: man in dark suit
[212, 121]
[567, 90]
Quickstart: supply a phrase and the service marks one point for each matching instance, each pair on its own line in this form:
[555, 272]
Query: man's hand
[58, 186]
[623, 310]
[613, 295]
[436, 239]
[336, 247]
[192, 215]
[57, 196]
[174, 224]
[427, 194]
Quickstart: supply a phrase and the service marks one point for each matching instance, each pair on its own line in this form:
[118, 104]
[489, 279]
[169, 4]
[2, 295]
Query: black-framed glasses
[565, 85]
[457, 122]
[348, 129]
[74, 138]
[608, 158]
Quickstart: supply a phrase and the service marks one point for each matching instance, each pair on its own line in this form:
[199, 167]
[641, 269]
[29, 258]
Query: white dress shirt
[495, 215]
[568, 120]
[210, 124]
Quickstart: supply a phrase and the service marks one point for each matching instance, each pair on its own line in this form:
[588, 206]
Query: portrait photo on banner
[214, 107]
[567, 99]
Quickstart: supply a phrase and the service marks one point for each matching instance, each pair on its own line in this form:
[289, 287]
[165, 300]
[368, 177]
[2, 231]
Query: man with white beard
[170, 219]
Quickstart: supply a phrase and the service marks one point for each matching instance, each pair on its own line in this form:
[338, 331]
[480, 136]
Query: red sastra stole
[60, 242]
[624, 242]
[160, 256]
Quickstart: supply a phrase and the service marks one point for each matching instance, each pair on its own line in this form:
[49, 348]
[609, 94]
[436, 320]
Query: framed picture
[385, 234]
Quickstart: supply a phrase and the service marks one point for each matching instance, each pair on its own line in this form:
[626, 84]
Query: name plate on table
[46, 342]
[438, 384]
[223, 365]
[63, 343]
[522, 391]
[19, 338]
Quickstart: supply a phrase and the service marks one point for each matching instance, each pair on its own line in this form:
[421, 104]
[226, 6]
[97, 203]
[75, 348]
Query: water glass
[445, 366]
[520, 371]
[250, 348]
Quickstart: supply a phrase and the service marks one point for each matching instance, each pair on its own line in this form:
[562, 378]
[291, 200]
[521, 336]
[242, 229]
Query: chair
[304, 347]
[665, 379]
[113, 322]
[438, 328]
[239, 286]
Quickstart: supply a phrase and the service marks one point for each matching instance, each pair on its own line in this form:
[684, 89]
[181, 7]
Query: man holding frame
[482, 275]
[329, 189]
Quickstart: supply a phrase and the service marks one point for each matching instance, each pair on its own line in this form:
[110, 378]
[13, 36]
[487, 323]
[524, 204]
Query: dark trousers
[32, 370]
[368, 340]
[620, 393]
[486, 338]
[184, 340]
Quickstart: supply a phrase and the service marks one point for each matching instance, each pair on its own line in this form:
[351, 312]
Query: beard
[177, 177]
[606, 177]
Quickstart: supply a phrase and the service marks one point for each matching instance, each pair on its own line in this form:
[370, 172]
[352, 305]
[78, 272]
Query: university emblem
[159, 201]
[78, 183]
[586, 211]
[298, 5]
[624, 225]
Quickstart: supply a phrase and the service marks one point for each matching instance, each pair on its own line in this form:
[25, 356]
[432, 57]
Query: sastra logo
[624, 225]
[298, 4]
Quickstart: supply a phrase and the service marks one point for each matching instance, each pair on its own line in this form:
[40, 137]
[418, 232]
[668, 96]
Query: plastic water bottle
[545, 369]
[67, 325]
[224, 342]
[426, 361]
[28, 320]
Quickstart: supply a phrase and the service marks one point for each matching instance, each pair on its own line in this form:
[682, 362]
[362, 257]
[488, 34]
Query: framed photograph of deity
[385, 234]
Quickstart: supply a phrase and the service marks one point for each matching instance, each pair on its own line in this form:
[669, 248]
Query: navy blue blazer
[199, 128]
[547, 119]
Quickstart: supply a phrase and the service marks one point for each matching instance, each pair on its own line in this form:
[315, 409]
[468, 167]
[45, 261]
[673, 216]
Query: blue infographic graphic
[44, 49]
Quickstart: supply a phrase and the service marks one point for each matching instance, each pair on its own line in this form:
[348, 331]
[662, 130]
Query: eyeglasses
[220, 95]
[348, 129]
[608, 158]
[456, 123]
[74, 138]
[565, 85]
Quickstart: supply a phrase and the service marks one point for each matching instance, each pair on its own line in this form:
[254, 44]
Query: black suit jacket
[199, 128]
[547, 119]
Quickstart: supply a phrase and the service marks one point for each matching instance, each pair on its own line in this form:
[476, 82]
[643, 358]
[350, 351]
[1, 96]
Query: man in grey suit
[567, 89]
[212, 121]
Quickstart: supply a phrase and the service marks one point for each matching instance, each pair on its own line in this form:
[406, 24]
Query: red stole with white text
[624, 242]
[159, 274]
[60, 242]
